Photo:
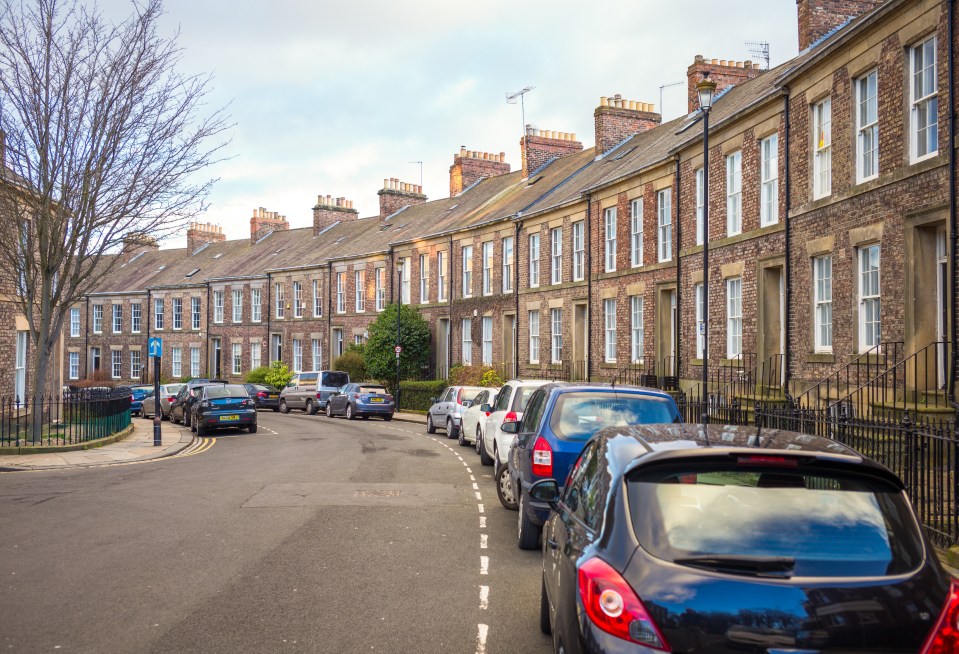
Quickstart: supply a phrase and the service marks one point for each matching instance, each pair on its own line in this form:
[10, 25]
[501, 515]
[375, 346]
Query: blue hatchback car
[559, 419]
[136, 402]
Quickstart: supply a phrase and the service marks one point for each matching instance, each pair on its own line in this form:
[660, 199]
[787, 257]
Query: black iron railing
[859, 370]
[78, 417]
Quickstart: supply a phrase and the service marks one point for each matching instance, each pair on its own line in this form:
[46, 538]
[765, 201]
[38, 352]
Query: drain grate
[376, 493]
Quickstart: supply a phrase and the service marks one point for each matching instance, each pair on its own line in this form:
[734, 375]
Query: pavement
[138, 446]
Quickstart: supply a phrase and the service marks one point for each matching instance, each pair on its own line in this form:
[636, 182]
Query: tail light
[170, 399]
[319, 395]
[944, 637]
[765, 460]
[613, 606]
[542, 458]
[389, 398]
[510, 417]
[261, 394]
[356, 396]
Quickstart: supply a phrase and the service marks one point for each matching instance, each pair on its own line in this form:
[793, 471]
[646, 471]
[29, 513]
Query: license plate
[273, 397]
[229, 418]
[376, 399]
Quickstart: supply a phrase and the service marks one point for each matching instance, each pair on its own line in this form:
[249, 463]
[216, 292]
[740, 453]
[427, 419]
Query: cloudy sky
[331, 97]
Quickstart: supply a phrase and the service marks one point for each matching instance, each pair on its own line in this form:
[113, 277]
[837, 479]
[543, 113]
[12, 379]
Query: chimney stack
[329, 211]
[265, 222]
[819, 17]
[539, 147]
[470, 166]
[396, 194]
[199, 234]
[724, 73]
[136, 242]
[617, 119]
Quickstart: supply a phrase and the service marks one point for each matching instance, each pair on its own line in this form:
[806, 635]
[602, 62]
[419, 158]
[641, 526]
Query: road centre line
[484, 565]
[481, 639]
[484, 597]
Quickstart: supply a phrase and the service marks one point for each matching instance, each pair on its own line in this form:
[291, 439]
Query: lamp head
[706, 88]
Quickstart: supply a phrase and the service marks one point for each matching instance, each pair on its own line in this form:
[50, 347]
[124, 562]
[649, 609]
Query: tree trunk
[41, 364]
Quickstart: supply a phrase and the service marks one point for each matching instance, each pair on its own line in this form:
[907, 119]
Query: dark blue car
[558, 421]
[136, 402]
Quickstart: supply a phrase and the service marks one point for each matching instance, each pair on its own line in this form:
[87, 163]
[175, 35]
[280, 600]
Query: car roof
[637, 445]
[592, 386]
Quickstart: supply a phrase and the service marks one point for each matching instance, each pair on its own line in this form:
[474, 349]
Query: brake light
[613, 606]
[510, 417]
[261, 394]
[542, 458]
[389, 398]
[765, 460]
[944, 637]
[459, 396]
[170, 399]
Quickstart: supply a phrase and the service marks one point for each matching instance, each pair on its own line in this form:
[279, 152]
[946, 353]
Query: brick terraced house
[831, 232]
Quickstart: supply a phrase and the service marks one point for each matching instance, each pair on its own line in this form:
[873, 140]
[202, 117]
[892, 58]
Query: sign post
[155, 349]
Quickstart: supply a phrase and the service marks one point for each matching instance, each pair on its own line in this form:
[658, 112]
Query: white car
[509, 406]
[471, 431]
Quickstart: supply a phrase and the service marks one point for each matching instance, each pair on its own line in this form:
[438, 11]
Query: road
[313, 535]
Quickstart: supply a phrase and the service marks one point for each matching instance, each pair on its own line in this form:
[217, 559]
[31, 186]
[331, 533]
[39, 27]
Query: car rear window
[521, 399]
[813, 523]
[173, 389]
[468, 393]
[372, 389]
[227, 390]
[335, 379]
[577, 416]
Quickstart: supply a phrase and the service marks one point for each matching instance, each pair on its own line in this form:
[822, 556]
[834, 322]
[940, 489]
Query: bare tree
[104, 139]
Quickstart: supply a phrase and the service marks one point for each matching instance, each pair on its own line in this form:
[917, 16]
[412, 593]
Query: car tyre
[329, 410]
[451, 431]
[349, 412]
[544, 625]
[253, 428]
[430, 427]
[527, 534]
[461, 439]
[388, 418]
[283, 407]
[276, 409]
[479, 440]
[310, 408]
[200, 431]
[504, 487]
[485, 458]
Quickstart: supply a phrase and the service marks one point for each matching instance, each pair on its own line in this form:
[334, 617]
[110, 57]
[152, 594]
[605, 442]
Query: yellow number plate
[229, 418]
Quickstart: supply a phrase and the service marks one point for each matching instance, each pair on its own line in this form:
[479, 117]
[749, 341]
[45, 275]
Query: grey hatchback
[447, 409]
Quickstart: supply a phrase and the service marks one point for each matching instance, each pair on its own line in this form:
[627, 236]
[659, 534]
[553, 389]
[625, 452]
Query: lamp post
[398, 348]
[705, 89]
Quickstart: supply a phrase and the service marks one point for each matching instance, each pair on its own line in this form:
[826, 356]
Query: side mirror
[432, 400]
[487, 409]
[545, 490]
[467, 404]
[510, 427]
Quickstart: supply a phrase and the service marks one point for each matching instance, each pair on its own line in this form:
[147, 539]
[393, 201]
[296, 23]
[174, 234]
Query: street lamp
[399, 306]
[705, 89]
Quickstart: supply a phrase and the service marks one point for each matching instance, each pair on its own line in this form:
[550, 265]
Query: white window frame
[699, 325]
[556, 255]
[870, 296]
[467, 338]
[136, 317]
[609, 328]
[734, 317]
[486, 350]
[637, 311]
[467, 281]
[700, 206]
[424, 279]
[556, 335]
[256, 305]
[405, 272]
[379, 280]
[534, 260]
[534, 336]
[256, 360]
[487, 268]
[176, 362]
[218, 307]
[664, 211]
[195, 309]
[923, 100]
[236, 305]
[74, 322]
[338, 343]
[317, 300]
[822, 149]
[158, 313]
[117, 318]
[579, 251]
[636, 232]
[734, 193]
[116, 364]
[609, 233]
[867, 126]
[441, 276]
[508, 264]
[297, 355]
[769, 181]
[136, 365]
[237, 358]
[316, 352]
[297, 300]
[280, 301]
[359, 290]
[341, 292]
[73, 359]
[822, 303]
[194, 362]
[98, 319]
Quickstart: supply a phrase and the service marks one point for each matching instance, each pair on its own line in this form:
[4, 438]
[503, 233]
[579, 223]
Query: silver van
[310, 390]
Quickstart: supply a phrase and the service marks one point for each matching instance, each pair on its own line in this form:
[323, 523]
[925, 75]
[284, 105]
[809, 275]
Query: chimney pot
[603, 101]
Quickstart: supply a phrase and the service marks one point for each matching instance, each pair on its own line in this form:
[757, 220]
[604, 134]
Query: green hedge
[416, 395]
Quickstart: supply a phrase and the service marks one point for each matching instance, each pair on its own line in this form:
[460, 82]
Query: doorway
[442, 348]
[580, 369]
[216, 356]
[772, 332]
[942, 306]
[509, 338]
[666, 320]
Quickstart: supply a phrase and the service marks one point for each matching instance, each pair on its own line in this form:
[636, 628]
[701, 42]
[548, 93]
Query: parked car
[471, 431]
[559, 419]
[264, 396]
[447, 409]
[168, 393]
[221, 406]
[136, 399]
[509, 407]
[311, 390]
[181, 410]
[684, 538]
[361, 401]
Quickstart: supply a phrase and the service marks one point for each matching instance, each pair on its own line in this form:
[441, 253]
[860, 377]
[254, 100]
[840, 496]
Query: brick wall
[470, 166]
[396, 194]
[819, 17]
[616, 119]
[539, 147]
[329, 211]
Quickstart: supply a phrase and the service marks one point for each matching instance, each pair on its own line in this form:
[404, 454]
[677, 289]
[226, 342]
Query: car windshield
[227, 390]
[812, 524]
[372, 389]
[335, 379]
[579, 415]
[173, 389]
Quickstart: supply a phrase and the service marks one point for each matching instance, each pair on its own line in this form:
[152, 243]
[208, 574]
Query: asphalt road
[314, 535]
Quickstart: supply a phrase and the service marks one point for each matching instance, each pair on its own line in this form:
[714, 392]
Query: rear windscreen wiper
[761, 566]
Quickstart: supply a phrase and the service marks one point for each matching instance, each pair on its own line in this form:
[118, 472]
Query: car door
[442, 408]
[472, 415]
[342, 399]
[495, 419]
[177, 409]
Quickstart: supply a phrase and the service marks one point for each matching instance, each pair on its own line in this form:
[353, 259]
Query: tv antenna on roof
[521, 94]
[665, 86]
[759, 50]
[421, 171]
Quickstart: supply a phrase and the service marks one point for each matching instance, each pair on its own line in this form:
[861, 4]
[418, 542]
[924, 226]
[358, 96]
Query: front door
[580, 364]
[772, 336]
[509, 338]
[666, 332]
[215, 358]
[20, 368]
[942, 305]
[442, 348]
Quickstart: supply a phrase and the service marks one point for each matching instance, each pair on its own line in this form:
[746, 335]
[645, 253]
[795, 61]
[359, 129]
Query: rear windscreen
[808, 523]
[577, 416]
[522, 397]
[335, 379]
[372, 389]
[228, 390]
[173, 389]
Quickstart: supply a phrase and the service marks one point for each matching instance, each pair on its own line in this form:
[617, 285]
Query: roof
[593, 386]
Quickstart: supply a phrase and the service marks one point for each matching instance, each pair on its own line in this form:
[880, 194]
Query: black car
[220, 406]
[361, 401]
[264, 396]
[717, 539]
[182, 408]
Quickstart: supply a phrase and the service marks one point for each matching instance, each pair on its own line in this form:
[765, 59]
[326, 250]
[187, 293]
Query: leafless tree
[104, 138]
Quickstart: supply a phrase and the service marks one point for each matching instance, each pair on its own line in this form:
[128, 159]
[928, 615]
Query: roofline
[109, 293]
[620, 178]
[777, 91]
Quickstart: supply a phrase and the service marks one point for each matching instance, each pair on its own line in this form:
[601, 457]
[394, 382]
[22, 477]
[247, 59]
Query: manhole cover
[376, 493]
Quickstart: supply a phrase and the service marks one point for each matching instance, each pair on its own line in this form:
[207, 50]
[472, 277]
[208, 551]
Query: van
[310, 390]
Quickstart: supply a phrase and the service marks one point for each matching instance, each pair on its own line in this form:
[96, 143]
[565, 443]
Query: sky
[332, 97]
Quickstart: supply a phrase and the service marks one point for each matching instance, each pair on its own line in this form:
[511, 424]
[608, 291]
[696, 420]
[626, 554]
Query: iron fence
[78, 417]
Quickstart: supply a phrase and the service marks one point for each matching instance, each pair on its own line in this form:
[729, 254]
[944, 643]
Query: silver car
[447, 410]
[310, 390]
[168, 393]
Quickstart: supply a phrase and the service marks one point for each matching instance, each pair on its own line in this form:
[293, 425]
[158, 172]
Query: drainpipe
[519, 225]
[449, 334]
[787, 331]
[329, 313]
[589, 289]
[86, 336]
[209, 321]
[679, 277]
[148, 325]
[269, 303]
[953, 226]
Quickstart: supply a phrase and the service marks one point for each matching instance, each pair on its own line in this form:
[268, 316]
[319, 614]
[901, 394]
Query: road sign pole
[157, 407]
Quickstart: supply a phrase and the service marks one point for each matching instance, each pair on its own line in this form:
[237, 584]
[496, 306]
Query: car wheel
[310, 409]
[504, 488]
[143, 414]
[430, 427]
[173, 418]
[461, 439]
[479, 440]
[349, 412]
[485, 458]
[527, 534]
[450, 429]
[283, 407]
[253, 429]
[544, 625]
[200, 431]
[388, 418]
[329, 410]
[186, 420]
[276, 409]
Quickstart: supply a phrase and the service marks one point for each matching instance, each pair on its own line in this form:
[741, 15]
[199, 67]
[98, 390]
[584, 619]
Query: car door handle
[552, 544]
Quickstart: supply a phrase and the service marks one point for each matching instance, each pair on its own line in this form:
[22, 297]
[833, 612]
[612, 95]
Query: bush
[475, 376]
[257, 375]
[352, 362]
[417, 395]
[278, 375]
[414, 337]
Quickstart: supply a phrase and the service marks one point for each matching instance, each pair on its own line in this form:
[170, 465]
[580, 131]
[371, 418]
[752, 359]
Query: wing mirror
[432, 400]
[487, 409]
[510, 427]
[545, 490]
